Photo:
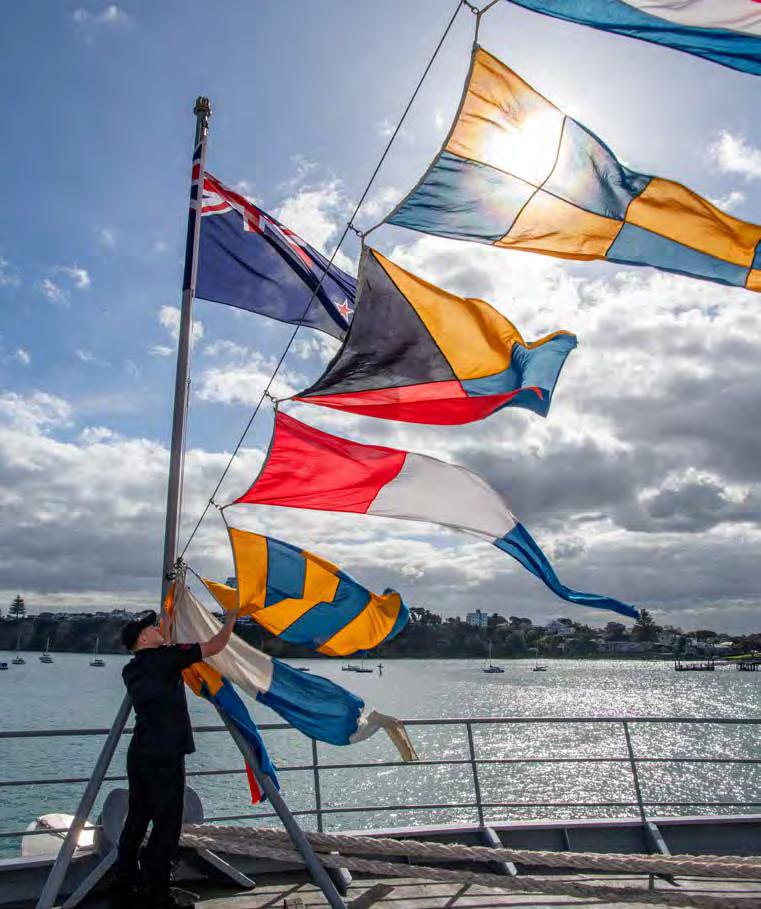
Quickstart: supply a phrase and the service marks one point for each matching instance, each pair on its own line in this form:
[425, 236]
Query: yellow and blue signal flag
[516, 172]
[304, 599]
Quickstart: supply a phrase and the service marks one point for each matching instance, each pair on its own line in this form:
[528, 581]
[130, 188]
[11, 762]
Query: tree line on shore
[426, 635]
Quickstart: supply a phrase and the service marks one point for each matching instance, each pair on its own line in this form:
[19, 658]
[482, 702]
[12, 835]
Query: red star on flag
[344, 309]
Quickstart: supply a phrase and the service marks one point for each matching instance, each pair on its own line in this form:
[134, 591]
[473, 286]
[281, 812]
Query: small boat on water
[18, 660]
[538, 667]
[491, 668]
[46, 657]
[96, 660]
[3, 665]
[353, 667]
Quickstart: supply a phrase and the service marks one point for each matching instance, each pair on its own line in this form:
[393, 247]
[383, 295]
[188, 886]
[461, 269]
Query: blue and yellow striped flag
[305, 599]
[516, 172]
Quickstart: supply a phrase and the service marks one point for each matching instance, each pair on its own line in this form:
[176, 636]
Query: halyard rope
[349, 226]
[254, 841]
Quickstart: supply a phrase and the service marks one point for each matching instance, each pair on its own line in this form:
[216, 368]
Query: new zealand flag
[246, 258]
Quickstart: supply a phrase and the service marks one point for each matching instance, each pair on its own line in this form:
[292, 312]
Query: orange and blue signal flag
[516, 172]
[304, 599]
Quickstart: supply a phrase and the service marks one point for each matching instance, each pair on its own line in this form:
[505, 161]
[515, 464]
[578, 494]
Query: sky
[645, 481]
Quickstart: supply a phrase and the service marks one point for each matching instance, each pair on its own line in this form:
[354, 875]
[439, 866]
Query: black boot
[126, 890]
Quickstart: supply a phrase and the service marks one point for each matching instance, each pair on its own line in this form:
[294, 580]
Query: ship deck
[420, 894]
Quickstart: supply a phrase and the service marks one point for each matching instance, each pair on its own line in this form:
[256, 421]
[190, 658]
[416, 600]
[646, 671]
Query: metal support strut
[61, 865]
[316, 869]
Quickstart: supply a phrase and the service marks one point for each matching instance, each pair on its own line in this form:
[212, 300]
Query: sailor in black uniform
[156, 757]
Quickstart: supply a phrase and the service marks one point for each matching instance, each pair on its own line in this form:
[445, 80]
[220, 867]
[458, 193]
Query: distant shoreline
[426, 637]
[373, 658]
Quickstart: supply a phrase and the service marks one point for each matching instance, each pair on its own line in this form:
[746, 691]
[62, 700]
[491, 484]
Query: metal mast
[202, 111]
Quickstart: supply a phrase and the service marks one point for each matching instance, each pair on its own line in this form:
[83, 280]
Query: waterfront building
[560, 627]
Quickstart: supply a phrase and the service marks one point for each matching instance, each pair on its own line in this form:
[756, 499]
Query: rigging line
[488, 6]
[349, 226]
[460, 5]
[479, 16]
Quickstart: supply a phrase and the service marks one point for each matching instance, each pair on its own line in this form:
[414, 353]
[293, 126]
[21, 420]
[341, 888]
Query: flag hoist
[514, 172]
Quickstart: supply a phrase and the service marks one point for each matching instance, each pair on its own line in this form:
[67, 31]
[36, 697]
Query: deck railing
[645, 807]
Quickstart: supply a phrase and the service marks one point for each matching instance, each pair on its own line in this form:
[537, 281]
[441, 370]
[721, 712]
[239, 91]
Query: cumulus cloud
[732, 153]
[730, 201]
[67, 278]
[33, 413]
[242, 376]
[88, 357]
[80, 541]
[380, 202]
[246, 189]
[315, 213]
[169, 317]
[19, 356]
[315, 344]
[9, 277]
[52, 291]
[107, 237]
[303, 168]
[90, 22]
[79, 277]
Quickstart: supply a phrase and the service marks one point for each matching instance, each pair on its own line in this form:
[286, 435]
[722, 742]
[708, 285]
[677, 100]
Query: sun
[525, 147]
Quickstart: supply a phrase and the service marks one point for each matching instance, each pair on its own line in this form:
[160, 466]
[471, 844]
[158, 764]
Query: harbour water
[69, 693]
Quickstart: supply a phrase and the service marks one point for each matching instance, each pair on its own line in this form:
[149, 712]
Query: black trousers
[156, 794]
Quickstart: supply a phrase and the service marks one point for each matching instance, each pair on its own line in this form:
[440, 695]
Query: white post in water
[202, 110]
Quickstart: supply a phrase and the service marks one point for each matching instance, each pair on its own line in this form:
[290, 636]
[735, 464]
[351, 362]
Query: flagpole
[202, 111]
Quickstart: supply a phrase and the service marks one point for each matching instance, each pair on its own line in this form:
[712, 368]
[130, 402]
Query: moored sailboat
[18, 660]
[353, 667]
[490, 668]
[96, 660]
[46, 657]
